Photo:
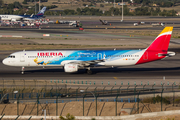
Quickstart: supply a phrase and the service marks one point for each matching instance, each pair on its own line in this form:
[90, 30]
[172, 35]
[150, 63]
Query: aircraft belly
[20, 64]
[122, 62]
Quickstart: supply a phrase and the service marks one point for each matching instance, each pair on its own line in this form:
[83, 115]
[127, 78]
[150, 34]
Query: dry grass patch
[12, 1]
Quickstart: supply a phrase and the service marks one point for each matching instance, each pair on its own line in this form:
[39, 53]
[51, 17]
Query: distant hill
[74, 4]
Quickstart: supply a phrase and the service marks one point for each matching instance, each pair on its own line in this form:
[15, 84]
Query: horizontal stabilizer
[169, 54]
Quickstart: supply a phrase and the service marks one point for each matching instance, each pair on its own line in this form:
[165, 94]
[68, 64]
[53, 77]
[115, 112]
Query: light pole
[114, 3]
[82, 91]
[39, 5]
[16, 92]
[122, 11]
[35, 7]
[44, 114]
[3, 97]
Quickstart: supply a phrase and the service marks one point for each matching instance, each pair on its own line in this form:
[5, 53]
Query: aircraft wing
[87, 63]
[32, 15]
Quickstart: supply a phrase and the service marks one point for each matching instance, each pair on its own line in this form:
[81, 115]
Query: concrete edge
[127, 117]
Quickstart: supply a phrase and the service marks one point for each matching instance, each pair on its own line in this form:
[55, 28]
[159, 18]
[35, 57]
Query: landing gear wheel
[22, 72]
[89, 72]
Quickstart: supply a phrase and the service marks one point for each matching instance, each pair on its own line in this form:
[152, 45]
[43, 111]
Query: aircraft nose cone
[5, 62]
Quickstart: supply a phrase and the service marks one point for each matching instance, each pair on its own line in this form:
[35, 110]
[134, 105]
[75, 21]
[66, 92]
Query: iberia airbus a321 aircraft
[73, 60]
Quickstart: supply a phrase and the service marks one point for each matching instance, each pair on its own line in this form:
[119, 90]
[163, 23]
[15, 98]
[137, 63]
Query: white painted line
[46, 34]
[16, 36]
[10, 36]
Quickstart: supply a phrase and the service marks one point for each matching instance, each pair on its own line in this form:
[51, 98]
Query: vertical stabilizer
[161, 42]
[158, 49]
[41, 12]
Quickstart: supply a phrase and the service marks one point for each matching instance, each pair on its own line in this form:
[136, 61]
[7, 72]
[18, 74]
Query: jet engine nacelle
[13, 20]
[70, 68]
[170, 54]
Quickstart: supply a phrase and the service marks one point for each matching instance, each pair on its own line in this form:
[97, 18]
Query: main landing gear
[88, 71]
[22, 72]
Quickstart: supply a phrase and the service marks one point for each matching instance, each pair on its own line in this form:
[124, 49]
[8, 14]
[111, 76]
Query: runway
[154, 71]
[58, 27]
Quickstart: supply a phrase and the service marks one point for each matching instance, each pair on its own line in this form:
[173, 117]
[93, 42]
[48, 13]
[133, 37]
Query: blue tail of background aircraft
[41, 12]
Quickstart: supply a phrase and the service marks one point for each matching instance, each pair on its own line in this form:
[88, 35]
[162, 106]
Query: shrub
[177, 100]
[101, 5]
[68, 117]
[156, 99]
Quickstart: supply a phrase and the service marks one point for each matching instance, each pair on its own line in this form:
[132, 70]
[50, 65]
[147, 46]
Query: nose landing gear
[88, 71]
[22, 72]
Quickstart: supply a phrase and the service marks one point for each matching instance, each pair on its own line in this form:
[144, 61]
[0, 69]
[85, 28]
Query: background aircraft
[24, 17]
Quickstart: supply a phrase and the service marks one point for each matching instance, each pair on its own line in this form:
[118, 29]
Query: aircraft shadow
[104, 70]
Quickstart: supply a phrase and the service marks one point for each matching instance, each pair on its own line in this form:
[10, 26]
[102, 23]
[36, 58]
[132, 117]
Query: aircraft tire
[89, 72]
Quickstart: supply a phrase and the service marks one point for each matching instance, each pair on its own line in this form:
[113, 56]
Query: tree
[48, 13]
[138, 1]
[164, 13]
[1, 2]
[146, 2]
[24, 2]
[101, 5]
[142, 11]
[107, 13]
[126, 10]
[152, 10]
[166, 4]
[158, 10]
[21, 12]
[30, 12]
[17, 5]
[16, 12]
[78, 11]
[10, 6]
[114, 11]
[68, 117]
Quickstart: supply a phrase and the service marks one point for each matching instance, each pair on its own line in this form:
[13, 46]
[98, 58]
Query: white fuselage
[11, 17]
[59, 58]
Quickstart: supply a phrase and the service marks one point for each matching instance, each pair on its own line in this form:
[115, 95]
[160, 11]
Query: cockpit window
[11, 56]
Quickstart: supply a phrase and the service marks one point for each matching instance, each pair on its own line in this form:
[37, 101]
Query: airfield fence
[43, 93]
[48, 84]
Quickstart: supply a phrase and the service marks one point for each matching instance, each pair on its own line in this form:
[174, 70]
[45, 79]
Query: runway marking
[115, 78]
[103, 34]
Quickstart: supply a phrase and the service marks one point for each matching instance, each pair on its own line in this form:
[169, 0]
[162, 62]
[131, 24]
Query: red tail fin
[161, 43]
[158, 49]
